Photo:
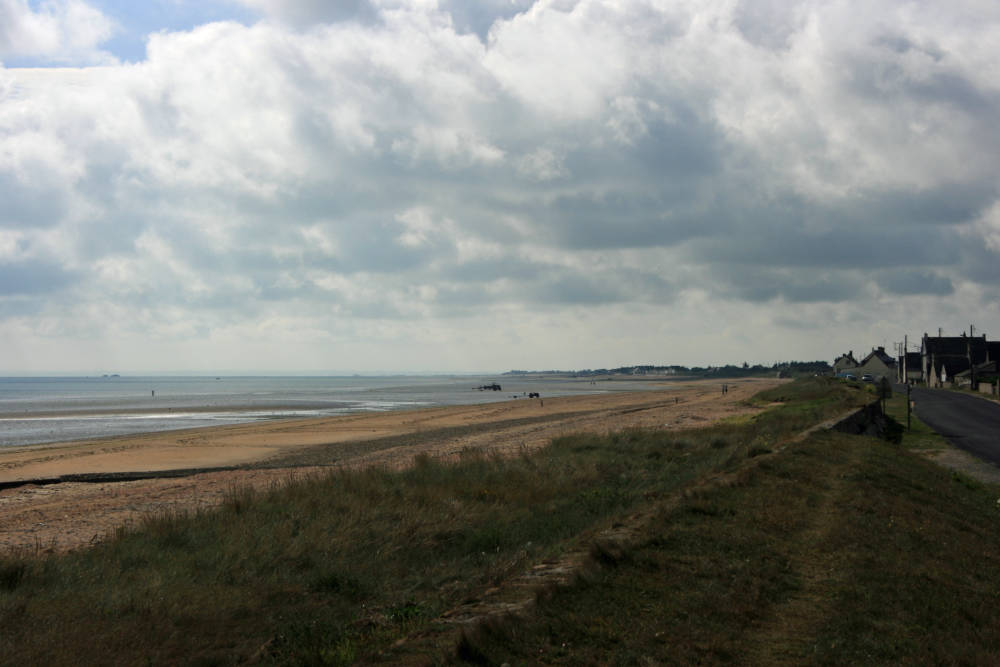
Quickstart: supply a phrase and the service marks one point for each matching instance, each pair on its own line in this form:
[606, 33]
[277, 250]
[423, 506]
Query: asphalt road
[970, 423]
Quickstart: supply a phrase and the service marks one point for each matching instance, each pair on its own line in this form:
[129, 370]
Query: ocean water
[39, 410]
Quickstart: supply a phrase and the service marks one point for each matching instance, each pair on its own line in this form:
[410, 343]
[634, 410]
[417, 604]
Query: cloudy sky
[419, 185]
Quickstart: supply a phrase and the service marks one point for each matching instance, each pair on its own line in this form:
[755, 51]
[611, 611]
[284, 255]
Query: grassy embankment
[834, 549]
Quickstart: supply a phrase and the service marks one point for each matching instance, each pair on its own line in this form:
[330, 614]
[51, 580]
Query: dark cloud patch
[944, 204]
[30, 204]
[379, 247]
[311, 203]
[799, 286]
[915, 210]
[941, 85]
[894, 77]
[311, 300]
[960, 94]
[799, 324]
[458, 299]
[620, 219]
[766, 23]
[819, 241]
[111, 234]
[34, 277]
[980, 263]
[909, 282]
[902, 44]
[649, 141]
[573, 287]
[659, 190]
[683, 148]
[263, 248]
[305, 13]
[546, 286]
[487, 270]
[575, 291]
[20, 306]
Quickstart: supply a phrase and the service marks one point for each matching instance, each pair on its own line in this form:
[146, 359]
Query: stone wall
[867, 420]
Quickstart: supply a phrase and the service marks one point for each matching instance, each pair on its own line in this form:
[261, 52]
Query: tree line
[789, 368]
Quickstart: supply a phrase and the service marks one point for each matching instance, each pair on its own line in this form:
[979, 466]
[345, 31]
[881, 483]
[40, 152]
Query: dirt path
[964, 462]
[784, 636]
[64, 516]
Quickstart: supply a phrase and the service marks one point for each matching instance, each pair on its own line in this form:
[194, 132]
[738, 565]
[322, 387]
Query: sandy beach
[43, 518]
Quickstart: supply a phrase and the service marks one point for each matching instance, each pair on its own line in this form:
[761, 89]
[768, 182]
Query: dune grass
[839, 550]
[336, 569]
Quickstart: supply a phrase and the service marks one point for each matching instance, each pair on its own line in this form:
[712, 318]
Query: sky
[416, 186]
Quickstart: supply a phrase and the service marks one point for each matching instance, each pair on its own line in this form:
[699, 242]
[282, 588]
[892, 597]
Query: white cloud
[57, 31]
[563, 59]
[543, 164]
[690, 170]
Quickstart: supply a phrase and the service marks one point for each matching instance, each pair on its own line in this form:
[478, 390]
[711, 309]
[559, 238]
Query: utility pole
[907, 406]
[901, 366]
[906, 375]
[906, 379]
[972, 366]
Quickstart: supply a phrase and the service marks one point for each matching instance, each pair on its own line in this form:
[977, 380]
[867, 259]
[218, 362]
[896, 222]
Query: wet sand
[41, 518]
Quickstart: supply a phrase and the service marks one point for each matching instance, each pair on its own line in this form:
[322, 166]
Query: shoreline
[129, 412]
[216, 460]
[248, 441]
[37, 423]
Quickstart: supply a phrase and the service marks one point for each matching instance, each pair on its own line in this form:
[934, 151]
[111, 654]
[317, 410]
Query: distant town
[966, 361]
[783, 369]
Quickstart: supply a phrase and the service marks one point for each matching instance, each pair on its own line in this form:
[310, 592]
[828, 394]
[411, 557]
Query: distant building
[877, 363]
[911, 369]
[844, 362]
[992, 350]
[986, 372]
[943, 358]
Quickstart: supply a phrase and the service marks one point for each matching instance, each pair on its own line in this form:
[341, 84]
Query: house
[942, 358]
[911, 368]
[844, 363]
[992, 350]
[878, 363]
[986, 376]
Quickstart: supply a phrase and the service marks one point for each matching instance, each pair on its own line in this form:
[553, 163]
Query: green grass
[339, 566]
[336, 569]
[920, 436]
[840, 550]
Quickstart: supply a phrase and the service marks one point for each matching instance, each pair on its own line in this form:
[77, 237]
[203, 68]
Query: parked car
[867, 377]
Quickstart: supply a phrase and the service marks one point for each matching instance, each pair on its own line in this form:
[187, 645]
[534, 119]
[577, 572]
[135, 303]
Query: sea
[36, 410]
